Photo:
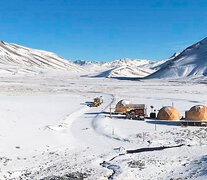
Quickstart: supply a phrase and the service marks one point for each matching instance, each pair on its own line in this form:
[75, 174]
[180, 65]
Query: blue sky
[104, 30]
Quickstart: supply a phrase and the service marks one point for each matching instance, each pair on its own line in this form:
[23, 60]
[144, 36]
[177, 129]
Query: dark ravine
[69, 176]
[152, 149]
[108, 165]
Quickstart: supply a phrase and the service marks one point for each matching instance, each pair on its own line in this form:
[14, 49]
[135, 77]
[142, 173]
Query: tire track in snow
[86, 122]
[98, 123]
[65, 124]
[95, 119]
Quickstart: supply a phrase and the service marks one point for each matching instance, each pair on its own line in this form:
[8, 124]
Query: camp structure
[121, 106]
[131, 110]
[197, 113]
[168, 113]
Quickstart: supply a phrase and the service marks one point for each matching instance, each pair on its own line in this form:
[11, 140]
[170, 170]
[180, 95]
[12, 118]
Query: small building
[197, 113]
[168, 113]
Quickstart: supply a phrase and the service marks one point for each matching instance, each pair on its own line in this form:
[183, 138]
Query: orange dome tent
[197, 113]
[121, 106]
[168, 113]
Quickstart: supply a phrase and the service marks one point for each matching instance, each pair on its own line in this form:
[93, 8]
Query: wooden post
[143, 136]
[110, 111]
[155, 125]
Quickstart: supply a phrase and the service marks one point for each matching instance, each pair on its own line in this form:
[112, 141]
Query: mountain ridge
[18, 59]
[190, 63]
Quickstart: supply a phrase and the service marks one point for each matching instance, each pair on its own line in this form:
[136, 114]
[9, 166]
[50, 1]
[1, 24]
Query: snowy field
[47, 130]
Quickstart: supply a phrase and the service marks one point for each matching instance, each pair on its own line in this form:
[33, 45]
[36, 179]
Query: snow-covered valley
[47, 129]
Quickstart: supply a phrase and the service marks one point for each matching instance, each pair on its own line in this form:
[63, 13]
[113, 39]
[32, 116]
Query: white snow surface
[47, 129]
[16, 59]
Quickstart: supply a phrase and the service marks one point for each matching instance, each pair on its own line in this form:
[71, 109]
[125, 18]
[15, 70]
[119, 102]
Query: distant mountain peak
[123, 67]
[190, 63]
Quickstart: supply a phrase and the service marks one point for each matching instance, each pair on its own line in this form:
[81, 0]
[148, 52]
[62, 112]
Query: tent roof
[168, 113]
[197, 108]
[124, 102]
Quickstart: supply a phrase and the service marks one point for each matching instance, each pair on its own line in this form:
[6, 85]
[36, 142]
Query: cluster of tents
[196, 113]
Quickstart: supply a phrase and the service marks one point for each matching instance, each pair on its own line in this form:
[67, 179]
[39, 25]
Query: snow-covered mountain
[120, 68]
[112, 64]
[126, 62]
[191, 63]
[16, 59]
[91, 66]
[125, 71]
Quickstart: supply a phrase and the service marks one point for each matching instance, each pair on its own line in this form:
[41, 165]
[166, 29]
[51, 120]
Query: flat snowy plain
[48, 131]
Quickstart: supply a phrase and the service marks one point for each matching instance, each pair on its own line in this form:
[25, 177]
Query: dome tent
[198, 112]
[168, 113]
[122, 105]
